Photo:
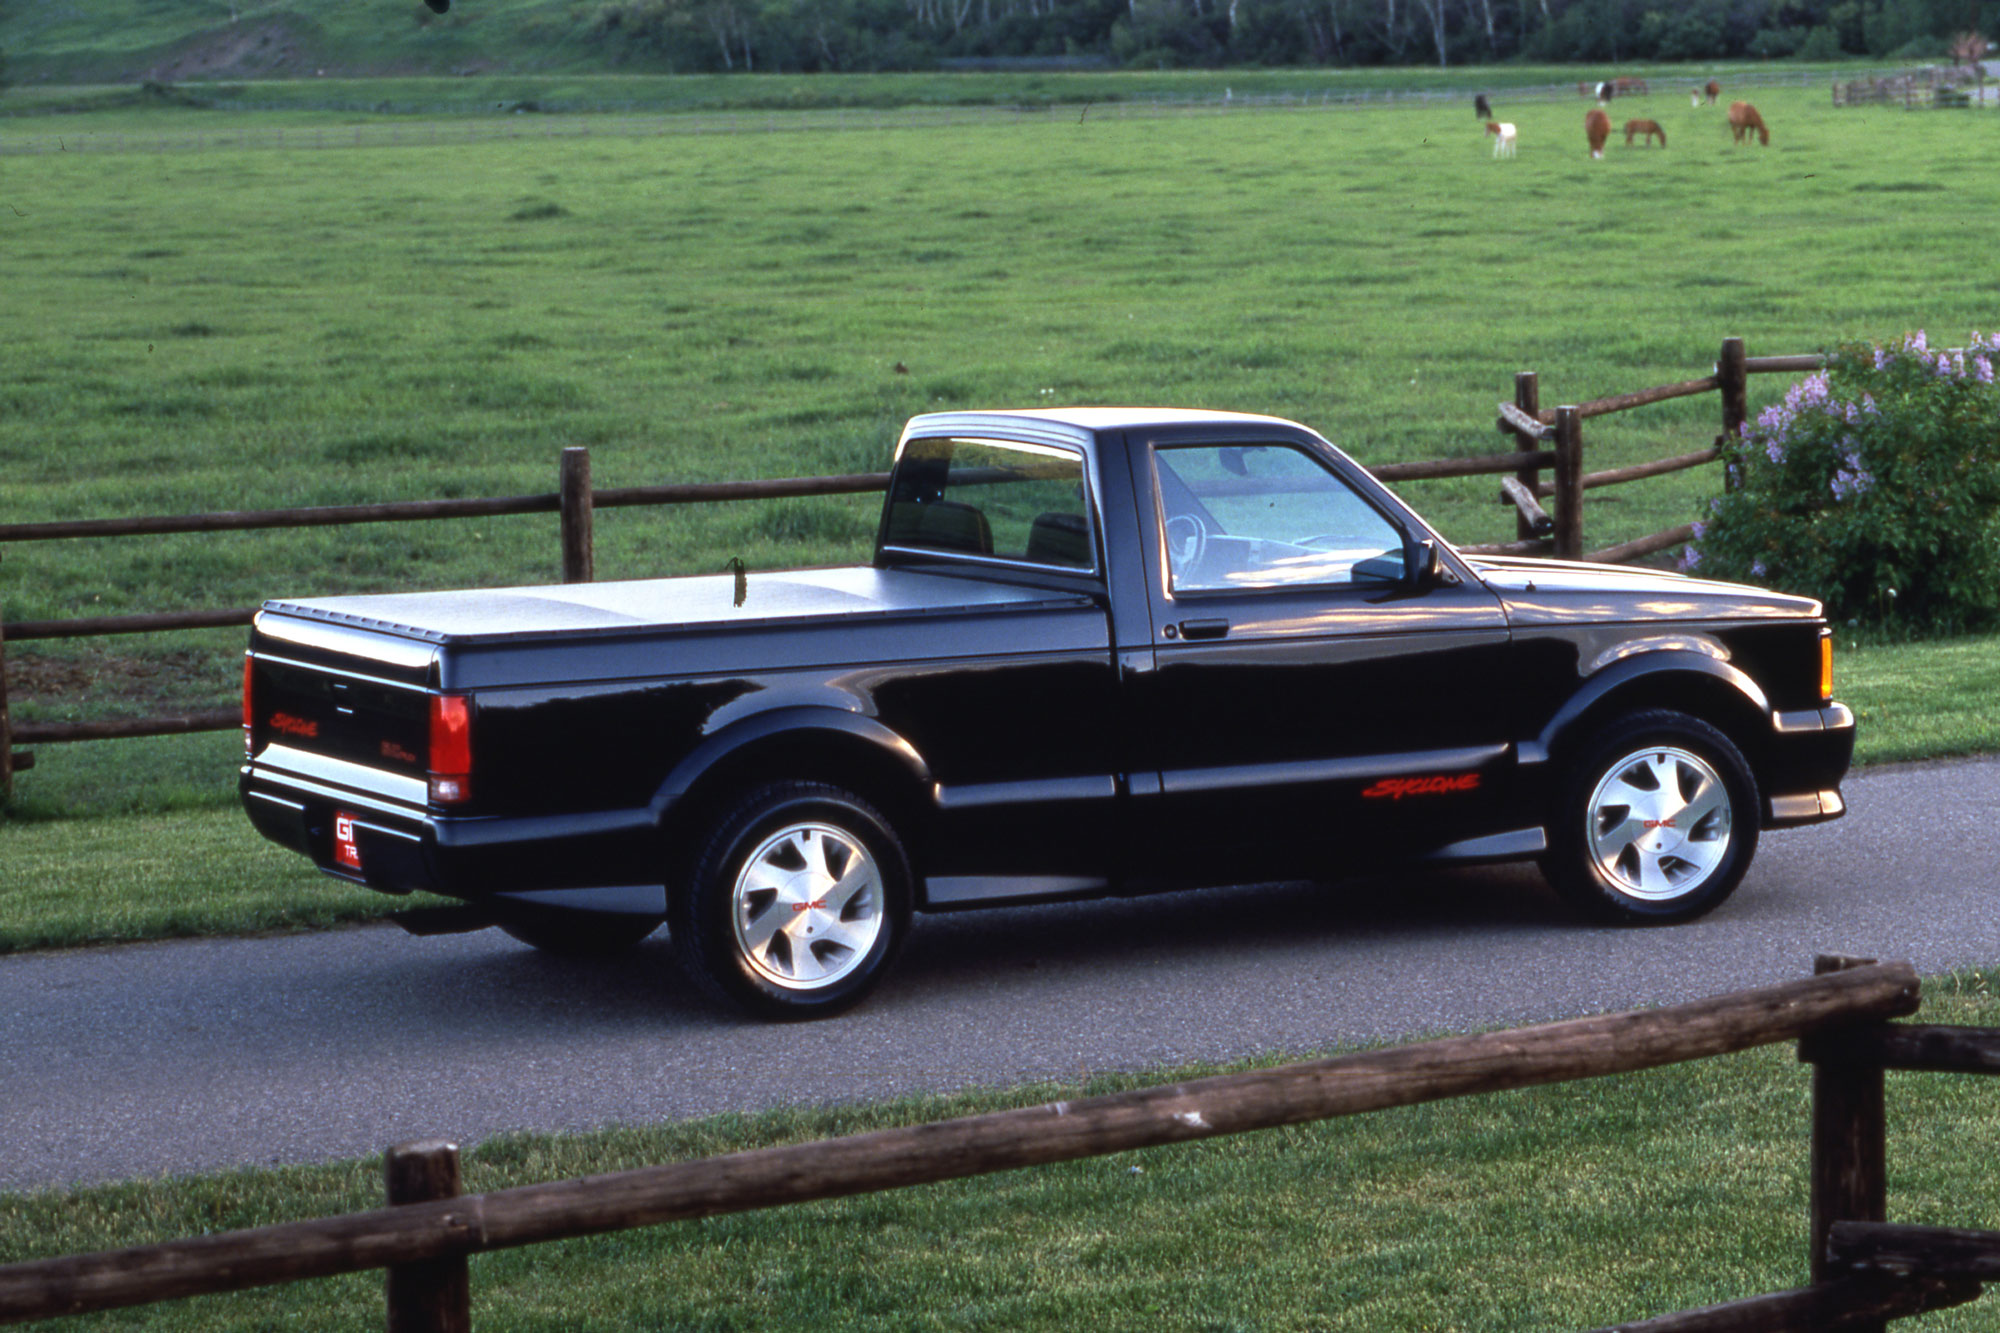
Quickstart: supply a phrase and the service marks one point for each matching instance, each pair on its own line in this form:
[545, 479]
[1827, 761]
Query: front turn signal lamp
[1825, 664]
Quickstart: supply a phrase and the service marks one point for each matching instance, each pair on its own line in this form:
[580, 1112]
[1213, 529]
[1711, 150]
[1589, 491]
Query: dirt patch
[261, 48]
[163, 681]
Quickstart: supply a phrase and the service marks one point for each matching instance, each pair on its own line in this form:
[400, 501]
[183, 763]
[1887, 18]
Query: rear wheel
[796, 904]
[1656, 821]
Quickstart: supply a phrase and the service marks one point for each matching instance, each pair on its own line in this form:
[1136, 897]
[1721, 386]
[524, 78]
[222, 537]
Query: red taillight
[451, 749]
[248, 712]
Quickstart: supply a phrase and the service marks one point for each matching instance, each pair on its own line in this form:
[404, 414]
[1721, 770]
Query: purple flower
[1982, 368]
[1689, 558]
[1699, 529]
[1775, 452]
[1918, 343]
[1757, 570]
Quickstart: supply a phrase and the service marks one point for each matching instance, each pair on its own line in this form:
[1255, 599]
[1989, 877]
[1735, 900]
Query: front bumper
[1810, 753]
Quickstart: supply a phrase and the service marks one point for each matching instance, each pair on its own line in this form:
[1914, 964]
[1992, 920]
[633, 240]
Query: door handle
[1204, 629]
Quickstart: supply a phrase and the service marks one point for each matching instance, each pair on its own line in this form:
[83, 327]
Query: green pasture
[1566, 1207]
[245, 328]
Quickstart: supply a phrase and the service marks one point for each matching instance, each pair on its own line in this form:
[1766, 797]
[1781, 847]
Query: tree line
[859, 35]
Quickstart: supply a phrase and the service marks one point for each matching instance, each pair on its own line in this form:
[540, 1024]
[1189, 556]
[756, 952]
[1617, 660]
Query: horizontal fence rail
[447, 1228]
[1546, 441]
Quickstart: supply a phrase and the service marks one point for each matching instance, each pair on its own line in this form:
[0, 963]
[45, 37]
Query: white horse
[1503, 137]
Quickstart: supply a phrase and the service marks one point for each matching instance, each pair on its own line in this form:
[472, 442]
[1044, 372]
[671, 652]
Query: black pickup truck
[1098, 651]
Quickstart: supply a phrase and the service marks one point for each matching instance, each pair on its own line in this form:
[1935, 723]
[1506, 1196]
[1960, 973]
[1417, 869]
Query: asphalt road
[193, 1056]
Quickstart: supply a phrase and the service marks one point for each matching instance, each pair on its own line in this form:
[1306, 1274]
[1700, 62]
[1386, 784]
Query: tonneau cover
[482, 615]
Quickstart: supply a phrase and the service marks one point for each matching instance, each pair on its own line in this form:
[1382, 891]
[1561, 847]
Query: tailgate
[340, 694]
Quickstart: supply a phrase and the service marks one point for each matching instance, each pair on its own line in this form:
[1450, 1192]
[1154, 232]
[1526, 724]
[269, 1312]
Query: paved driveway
[192, 1056]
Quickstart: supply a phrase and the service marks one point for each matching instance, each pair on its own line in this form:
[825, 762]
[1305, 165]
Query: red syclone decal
[391, 750]
[294, 726]
[1395, 789]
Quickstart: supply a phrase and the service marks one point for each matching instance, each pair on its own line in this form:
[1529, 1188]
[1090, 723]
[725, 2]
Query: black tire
[1655, 820]
[755, 920]
[577, 934]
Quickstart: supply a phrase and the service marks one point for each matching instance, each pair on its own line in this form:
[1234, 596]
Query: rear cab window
[998, 500]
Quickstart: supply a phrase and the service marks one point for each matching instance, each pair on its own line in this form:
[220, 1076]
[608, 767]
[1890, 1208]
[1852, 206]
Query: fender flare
[1658, 662]
[796, 720]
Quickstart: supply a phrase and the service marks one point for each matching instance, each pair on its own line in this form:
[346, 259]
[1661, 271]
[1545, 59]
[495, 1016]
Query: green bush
[1875, 487]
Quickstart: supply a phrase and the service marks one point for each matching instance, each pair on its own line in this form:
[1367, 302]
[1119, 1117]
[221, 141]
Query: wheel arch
[1697, 684]
[809, 744]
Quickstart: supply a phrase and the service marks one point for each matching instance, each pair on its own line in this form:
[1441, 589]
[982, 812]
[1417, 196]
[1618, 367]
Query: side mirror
[1428, 570]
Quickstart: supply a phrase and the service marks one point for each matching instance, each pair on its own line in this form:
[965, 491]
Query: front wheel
[1655, 822]
[796, 904]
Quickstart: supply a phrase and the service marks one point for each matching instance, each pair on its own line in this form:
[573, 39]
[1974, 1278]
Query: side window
[996, 498]
[1268, 516]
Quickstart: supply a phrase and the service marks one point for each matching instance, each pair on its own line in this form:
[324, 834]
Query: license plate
[346, 852]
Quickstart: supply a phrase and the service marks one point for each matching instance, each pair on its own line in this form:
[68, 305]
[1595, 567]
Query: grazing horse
[1481, 107]
[1597, 128]
[1604, 91]
[1628, 86]
[1503, 137]
[1743, 119]
[1714, 90]
[1649, 128]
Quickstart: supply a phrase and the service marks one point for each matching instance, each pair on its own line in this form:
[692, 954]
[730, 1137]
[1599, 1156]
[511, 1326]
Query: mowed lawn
[255, 328]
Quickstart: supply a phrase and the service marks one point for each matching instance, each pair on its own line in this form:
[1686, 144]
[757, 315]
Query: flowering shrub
[1874, 486]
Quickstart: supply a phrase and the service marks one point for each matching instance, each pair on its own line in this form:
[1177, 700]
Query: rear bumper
[404, 849]
[1809, 755]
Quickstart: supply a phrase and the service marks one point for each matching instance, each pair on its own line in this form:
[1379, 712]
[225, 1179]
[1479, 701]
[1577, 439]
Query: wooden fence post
[1733, 378]
[1849, 1152]
[434, 1295]
[6, 725]
[1569, 484]
[578, 558]
[1527, 397]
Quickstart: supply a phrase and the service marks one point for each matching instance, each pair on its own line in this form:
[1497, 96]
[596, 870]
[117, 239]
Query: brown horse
[1597, 128]
[1743, 119]
[1714, 90]
[1649, 128]
[1628, 86]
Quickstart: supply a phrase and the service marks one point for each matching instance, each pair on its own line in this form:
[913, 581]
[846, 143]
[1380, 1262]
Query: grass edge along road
[1405, 1219]
[205, 872]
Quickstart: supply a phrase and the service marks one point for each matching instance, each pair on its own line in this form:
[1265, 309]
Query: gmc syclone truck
[1097, 651]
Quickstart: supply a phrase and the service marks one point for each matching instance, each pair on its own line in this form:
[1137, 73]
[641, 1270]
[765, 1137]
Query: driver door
[1311, 707]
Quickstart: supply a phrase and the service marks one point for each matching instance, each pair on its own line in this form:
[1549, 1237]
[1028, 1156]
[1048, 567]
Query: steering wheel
[1187, 542]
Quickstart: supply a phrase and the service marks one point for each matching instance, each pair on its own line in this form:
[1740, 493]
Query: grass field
[243, 328]
[1565, 1207]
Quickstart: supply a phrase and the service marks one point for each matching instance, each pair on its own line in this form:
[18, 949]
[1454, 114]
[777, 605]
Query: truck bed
[695, 604]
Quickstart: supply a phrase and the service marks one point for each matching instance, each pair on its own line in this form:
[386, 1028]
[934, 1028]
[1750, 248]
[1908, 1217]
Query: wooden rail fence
[1545, 441]
[1864, 1271]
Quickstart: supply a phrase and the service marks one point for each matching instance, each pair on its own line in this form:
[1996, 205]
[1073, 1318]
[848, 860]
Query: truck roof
[1091, 419]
